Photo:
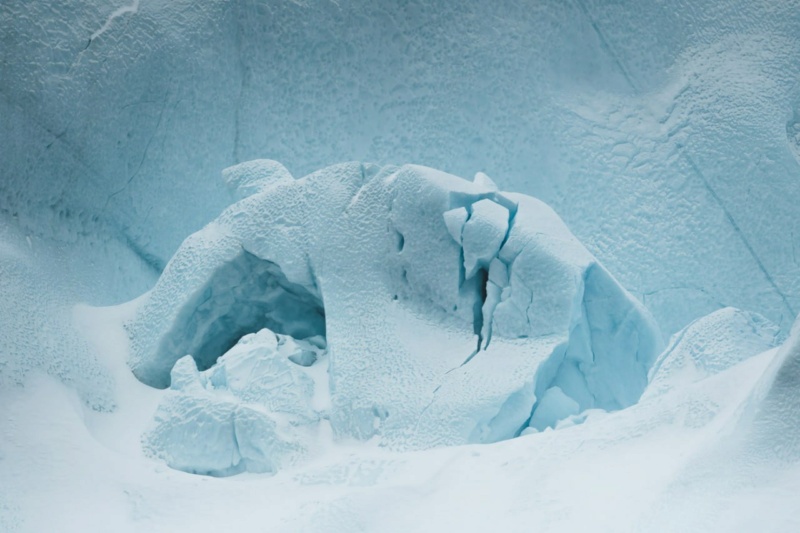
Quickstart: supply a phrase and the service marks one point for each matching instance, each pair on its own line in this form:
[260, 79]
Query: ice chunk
[261, 372]
[241, 414]
[303, 357]
[455, 220]
[185, 376]
[483, 233]
[482, 180]
[710, 345]
[195, 433]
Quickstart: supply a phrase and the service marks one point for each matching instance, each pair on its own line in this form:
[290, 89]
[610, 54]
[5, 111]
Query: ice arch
[453, 312]
[242, 296]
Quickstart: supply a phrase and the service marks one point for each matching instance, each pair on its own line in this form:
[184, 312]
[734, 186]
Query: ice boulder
[241, 415]
[710, 345]
[448, 308]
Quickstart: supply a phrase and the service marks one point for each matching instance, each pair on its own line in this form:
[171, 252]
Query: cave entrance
[243, 296]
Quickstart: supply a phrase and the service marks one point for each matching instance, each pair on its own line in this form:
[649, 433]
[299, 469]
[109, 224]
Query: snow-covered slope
[85, 446]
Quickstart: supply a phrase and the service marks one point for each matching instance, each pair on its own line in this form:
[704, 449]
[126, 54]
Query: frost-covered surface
[653, 128]
[449, 308]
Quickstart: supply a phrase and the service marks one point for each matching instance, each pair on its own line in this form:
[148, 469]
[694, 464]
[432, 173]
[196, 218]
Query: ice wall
[662, 132]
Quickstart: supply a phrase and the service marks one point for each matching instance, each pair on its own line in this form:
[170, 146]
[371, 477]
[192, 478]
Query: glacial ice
[553, 407]
[625, 118]
[243, 413]
[438, 299]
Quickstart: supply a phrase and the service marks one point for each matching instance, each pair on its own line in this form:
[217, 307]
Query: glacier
[317, 346]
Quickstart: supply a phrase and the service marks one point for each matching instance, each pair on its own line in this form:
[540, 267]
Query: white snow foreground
[451, 313]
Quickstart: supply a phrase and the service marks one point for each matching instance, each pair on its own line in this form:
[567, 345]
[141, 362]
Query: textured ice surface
[242, 414]
[448, 308]
[653, 128]
[710, 345]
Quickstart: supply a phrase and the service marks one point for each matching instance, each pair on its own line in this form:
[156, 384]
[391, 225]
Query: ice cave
[399, 266]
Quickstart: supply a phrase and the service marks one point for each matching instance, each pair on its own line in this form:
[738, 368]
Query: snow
[646, 468]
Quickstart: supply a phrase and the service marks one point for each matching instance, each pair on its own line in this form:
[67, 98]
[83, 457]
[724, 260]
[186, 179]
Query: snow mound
[710, 345]
[448, 308]
[242, 414]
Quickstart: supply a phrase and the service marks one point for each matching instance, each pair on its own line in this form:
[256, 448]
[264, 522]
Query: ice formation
[629, 114]
[665, 134]
[243, 413]
[453, 313]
